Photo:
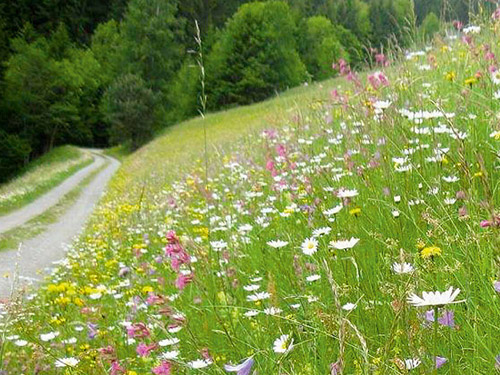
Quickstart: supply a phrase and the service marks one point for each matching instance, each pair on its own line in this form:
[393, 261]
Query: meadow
[345, 228]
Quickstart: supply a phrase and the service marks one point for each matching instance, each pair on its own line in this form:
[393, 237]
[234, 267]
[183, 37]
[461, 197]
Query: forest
[99, 73]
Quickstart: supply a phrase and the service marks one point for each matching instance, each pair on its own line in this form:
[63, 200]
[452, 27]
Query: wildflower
[470, 81]
[450, 76]
[447, 319]
[401, 268]
[440, 361]
[321, 231]
[20, 343]
[309, 246]
[283, 344]
[344, 244]
[335, 368]
[162, 369]
[168, 342]
[258, 296]
[49, 336]
[277, 244]
[495, 134]
[173, 354]
[496, 286]
[430, 252]
[349, 306]
[313, 278]
[355, 211]
[333, 211]
[183, 280]
[434, 298]
[199, 363]
[412, 363]
[345, 193]
[144, 350]
[243, 368]
[67, 362]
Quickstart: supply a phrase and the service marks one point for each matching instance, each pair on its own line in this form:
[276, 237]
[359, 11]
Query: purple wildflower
[243, 368]
[440, 361]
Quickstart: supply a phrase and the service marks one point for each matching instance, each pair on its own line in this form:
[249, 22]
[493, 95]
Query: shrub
[128, 106]
[255, 57]
[430, 26]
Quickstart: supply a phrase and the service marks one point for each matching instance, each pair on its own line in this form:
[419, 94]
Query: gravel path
[38, 254]
[49, 199]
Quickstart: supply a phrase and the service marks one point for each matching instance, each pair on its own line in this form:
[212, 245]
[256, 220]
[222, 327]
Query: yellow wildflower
[430, 251]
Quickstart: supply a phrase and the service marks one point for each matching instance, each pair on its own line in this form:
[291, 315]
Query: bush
[320, 47]
[430, 26]
[255, 57]
[128, 106]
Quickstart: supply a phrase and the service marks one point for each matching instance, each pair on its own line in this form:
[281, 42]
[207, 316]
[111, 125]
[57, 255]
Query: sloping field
[350, 232]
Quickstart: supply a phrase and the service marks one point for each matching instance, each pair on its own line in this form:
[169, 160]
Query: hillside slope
[307, 248]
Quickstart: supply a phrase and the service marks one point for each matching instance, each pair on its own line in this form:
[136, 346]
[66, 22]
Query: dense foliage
[58, 58]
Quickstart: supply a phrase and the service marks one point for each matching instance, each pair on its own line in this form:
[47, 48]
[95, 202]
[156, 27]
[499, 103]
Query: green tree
[320, 47]
[129, 105]
[151, 46]
[255, 57]
[41, 93]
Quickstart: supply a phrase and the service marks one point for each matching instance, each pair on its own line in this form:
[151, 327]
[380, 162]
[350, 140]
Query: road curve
[49, 199]
[36, 255]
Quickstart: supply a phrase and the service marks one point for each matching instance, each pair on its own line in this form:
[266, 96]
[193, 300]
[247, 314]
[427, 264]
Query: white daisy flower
[344, 244]
[313, 278]
[345, 193]
[251, 313]
[251, 287]
[169, 342]
[199, 363]
[258, 296]
[349, 306]
[272, 311]
[402, 268]
[434, 298]
[49, 336]
[333, 211]
[309, 246]
[277, 244]
[173, 354]
[321, 231]
[283, 344]
[67, 362]
[20, 342]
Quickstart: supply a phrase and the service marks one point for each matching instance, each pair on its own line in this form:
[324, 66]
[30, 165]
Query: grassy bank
[41, 176]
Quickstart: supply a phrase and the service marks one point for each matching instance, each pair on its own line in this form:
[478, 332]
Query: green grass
[12, 238]
[40, 176]
[422, 192]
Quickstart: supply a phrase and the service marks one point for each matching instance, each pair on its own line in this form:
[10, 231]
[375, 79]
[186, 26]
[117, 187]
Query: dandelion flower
[430, 251]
